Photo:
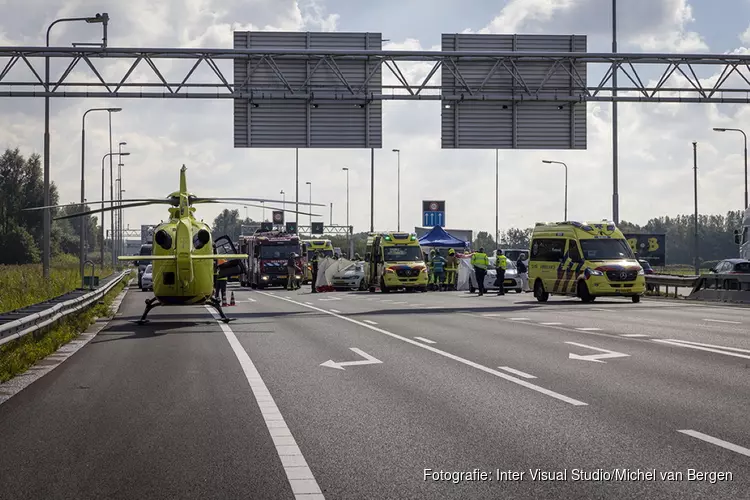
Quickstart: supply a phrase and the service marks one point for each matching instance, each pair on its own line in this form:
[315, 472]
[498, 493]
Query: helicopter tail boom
[148, 257]
[228, 256]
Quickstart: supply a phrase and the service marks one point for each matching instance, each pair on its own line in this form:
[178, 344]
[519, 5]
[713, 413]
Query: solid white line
[718, 442]
[589, 329]
[425, 340]
[308, 303]
[633, 335]
[483, 368]
[369, 321]
[400, 302]
[550, 324]
[723, 321]
[298, 473]
[516, 372]
[434, 307]
[492, 315]
[334, 310]
[602, 310]
[737, 349]
[690, 346]
[519, 319]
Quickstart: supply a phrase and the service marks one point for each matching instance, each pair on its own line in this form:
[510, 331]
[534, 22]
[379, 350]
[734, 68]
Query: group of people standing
[480, 262]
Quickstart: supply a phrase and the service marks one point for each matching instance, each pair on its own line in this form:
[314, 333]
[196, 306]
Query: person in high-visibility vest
[501, 264]
[451, 268]
[221, 284]
[481, 262]
[430, 270]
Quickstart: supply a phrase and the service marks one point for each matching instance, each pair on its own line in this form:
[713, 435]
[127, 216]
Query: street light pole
[310, 184]
[695, 194]
[566, 184]
[101, 249]
[47, 224]
[296, 187]
[82, 236]
[398, 189]
[497, 198]
[615, 145]
[283, 199]
[717, 129]
[348, 228]
[119, 211]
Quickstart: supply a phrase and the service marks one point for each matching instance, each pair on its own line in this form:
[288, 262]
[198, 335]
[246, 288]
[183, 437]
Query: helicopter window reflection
[278, 251]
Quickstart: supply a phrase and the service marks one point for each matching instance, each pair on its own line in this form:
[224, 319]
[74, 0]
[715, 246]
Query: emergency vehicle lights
[387, 238]
[592, 272]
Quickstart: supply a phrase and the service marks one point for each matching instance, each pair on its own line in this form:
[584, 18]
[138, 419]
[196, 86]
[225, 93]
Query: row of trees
[715, 236]
[22, 186]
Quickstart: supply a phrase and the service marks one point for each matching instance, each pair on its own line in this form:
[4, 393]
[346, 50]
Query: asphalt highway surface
[386, 396]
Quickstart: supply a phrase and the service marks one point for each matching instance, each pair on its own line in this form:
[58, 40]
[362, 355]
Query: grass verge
[19, 355]
[24, 285]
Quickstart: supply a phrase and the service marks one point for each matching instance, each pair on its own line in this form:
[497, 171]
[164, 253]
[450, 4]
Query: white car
[512, 280]
[147, 279]
[350, 277]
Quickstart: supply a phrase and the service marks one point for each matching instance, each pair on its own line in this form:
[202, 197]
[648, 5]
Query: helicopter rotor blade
[263, 206]
[134, 200]
[108, 209]
[257, 200]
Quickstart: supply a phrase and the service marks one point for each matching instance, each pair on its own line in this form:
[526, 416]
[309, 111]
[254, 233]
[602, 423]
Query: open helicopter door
[234, 267]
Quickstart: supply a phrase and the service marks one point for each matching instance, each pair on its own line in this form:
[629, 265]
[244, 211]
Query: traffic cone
[231, 301]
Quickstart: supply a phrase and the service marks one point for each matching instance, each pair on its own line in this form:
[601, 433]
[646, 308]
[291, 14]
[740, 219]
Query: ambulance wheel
[539, 292]
[583, 293]
[636, 299]
[518, 290]
[422, 289]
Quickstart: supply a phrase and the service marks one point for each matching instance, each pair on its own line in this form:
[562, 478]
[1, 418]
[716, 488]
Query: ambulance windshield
[403, 254]
[606, 249]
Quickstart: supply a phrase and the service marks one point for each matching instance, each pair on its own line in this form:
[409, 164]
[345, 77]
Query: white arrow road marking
[428, 341]
[595, 357]
[516, 372]
[723, 321]
[707, 347]
[718, 442]
[297, 471]
[448, 355]
[369, 360]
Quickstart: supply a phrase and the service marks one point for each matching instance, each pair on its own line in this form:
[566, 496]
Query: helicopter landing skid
[150, 304]
[216, 305]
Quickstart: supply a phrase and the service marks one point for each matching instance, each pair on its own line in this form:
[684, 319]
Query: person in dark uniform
[316, 258]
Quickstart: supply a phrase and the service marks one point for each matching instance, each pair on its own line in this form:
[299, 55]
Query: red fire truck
[268, 254]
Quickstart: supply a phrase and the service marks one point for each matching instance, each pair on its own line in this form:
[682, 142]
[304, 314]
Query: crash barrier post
[33, 322]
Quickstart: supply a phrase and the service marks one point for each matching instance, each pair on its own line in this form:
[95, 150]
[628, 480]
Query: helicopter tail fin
[148, 257]
[228, 256]
[183, 179]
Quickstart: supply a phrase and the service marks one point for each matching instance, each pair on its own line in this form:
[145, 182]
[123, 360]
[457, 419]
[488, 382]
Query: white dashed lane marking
[427, 341]
[297, 471]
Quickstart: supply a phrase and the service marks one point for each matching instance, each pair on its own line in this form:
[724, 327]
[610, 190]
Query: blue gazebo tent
[439, 238]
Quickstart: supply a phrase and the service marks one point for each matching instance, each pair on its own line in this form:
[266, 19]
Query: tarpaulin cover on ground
[439, 238]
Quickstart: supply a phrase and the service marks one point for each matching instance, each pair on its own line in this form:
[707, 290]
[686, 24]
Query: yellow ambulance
[393, 261]
[585, 260]
[324, 248]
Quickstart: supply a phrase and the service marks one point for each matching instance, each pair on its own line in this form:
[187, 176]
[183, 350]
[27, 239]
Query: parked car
[647, 269]
[732, 266]
[147, 279]
[351, 277]
[512, 280]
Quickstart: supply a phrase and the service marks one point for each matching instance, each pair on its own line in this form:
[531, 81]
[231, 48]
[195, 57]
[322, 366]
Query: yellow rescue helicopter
[183, 251]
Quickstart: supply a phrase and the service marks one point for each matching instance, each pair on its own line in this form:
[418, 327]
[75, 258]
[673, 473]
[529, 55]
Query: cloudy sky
[655, 140]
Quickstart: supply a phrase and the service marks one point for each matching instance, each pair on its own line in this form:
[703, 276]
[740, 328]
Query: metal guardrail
[656, 281]
[36, 320]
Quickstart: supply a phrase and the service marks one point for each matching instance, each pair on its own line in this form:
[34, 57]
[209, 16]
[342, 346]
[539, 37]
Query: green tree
[228, 223]
[516, 238]
[484, 240]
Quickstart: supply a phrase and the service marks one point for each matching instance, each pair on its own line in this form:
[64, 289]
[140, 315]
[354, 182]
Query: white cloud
[655, 149]
[646, 25]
